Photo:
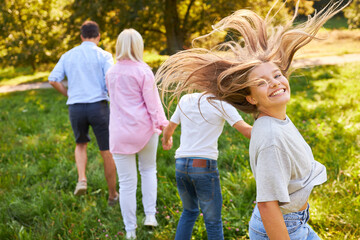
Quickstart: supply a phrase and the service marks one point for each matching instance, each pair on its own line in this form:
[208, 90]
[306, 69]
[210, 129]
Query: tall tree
[31, 33]
[174, 32]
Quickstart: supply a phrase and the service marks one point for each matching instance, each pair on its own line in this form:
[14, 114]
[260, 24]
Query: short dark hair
[89, 29]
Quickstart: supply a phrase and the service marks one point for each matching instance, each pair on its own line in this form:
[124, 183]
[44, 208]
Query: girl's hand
[167, 140]
[167, 145]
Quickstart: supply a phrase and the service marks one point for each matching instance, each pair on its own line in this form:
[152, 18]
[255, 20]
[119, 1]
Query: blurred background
[34, 33]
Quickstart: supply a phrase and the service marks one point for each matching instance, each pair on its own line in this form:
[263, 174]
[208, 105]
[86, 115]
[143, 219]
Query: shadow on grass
[302, 79]
[36, 80]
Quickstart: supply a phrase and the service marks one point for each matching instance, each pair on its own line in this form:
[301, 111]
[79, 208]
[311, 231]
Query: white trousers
[127, 173]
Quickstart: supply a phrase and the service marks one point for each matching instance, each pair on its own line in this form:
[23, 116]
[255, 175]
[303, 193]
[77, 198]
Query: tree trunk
[174, 33]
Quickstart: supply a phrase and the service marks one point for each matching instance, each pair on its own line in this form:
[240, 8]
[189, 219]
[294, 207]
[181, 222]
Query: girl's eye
[261, 83]
[277, 76]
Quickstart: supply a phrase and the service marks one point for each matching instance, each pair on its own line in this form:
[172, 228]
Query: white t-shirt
[283, 164]
[201, 128]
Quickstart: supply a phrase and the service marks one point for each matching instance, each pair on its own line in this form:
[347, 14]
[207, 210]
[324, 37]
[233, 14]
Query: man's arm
[59, 87]
[167, 135]
[243, 128]
[57, 75]
[273, 220]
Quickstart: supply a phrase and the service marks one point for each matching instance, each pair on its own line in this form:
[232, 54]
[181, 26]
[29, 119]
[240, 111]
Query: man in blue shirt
[85, 67]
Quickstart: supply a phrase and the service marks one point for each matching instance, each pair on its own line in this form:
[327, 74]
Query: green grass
[11, 76]
[154, 60]
[38, 173]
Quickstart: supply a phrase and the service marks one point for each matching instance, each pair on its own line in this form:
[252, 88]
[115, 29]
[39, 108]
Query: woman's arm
[167, 135]
[152, 101]
[273, 220]
[243, 128]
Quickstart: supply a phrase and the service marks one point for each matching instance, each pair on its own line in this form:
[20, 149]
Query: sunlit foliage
[35, 32]
[32, 31]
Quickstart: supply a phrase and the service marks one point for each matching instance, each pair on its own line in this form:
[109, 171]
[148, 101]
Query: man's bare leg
[81, 160]
[110, 172]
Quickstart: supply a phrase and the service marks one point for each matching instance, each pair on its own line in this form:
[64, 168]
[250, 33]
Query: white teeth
[278, 92]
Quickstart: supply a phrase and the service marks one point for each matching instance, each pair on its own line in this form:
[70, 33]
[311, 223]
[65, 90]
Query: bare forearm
[273, 220]
[169, 131]
[243, 128]
[167, 135]
[59, 87]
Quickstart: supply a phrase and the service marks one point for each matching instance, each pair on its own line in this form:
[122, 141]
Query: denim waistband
[188, 161]
[303, 215]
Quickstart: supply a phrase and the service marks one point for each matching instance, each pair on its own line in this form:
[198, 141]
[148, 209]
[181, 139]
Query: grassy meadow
[38, 173]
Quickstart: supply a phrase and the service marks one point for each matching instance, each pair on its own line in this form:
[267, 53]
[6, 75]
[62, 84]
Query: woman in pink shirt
[136, 120]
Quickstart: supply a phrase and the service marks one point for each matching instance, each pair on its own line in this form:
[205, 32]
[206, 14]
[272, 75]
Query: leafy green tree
[352, 13]
[31, 31]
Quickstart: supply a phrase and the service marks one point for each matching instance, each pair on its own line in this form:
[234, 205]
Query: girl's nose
[274, 83]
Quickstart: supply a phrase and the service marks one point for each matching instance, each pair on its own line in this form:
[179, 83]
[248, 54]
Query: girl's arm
[167, 135]
[243, 128]
[273, 220]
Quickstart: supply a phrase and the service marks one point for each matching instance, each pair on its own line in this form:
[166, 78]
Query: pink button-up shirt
[136, 112]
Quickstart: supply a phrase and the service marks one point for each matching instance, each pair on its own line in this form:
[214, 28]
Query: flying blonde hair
[130, 45]
[223, 69]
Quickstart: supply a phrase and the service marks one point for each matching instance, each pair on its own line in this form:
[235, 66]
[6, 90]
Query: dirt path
[328, 60]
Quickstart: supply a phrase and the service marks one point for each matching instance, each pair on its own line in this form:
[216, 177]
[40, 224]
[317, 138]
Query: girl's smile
[271, 91]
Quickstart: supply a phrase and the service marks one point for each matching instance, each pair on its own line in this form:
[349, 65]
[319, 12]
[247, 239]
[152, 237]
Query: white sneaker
[80, 188]
[131, 235]
[150, 220]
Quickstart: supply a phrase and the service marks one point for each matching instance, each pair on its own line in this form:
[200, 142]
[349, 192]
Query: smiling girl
[251, 74]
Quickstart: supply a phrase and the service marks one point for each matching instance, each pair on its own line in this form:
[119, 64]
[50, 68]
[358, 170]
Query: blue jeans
[296, 224]
[198, 183]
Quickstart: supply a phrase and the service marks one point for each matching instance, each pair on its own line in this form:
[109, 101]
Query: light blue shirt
[85, 67]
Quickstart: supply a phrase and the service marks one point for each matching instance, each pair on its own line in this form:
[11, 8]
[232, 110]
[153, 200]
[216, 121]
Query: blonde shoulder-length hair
[223, 70]
[130, 45]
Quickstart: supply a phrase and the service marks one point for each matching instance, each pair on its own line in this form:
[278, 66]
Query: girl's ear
[251, 100]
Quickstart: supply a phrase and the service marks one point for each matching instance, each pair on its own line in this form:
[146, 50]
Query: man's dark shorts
[96, 115]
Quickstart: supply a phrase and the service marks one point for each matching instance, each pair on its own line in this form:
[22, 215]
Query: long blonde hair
[223, 69]
[130, 45]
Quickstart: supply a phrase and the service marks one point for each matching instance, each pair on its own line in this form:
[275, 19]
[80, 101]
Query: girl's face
[271, 92]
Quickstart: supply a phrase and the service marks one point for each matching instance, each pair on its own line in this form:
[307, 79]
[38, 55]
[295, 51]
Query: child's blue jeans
[198, 184]
[296, 224]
